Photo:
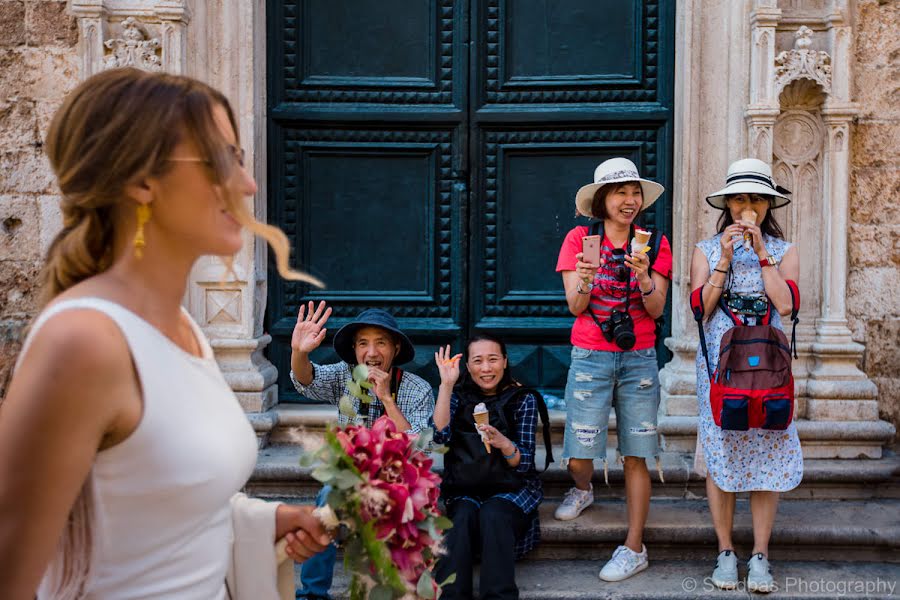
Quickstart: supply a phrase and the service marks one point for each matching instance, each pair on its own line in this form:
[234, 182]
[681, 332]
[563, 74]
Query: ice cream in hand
[748, 215]
[639, 241]
[482, 417]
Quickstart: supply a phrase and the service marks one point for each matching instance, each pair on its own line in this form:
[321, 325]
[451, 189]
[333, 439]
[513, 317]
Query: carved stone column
[710, 85]
[224, 45]
[763, 107]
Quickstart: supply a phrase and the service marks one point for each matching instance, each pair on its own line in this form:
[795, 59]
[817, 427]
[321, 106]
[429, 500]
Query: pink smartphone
[590, 246]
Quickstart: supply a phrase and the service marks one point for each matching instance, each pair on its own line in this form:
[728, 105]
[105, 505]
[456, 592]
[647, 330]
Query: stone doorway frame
[225, 45]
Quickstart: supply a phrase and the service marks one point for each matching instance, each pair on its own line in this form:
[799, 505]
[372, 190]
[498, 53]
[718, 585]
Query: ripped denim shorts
[599, 380]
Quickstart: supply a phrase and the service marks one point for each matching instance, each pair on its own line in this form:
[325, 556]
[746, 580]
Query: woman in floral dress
[762, 462]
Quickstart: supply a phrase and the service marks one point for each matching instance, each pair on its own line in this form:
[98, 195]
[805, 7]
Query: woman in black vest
[490, 488]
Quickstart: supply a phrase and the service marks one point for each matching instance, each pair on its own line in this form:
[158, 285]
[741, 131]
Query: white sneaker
[725, 577]
[759, 578]
[574, 503]
[624, 563]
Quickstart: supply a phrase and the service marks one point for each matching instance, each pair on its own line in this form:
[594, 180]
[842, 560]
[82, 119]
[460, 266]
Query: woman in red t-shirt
[615, 304]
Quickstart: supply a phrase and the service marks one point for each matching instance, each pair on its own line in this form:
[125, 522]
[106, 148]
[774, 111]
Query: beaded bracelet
[513, 455]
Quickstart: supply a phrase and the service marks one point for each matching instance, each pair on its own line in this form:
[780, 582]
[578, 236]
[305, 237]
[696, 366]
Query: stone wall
[874, 244]
[38, 66]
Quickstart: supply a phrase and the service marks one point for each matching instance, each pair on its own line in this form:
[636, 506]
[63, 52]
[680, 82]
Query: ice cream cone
[748, 215]
[482, 417]
[639, 241]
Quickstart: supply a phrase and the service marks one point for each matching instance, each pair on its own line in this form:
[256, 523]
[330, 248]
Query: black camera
[619, 328]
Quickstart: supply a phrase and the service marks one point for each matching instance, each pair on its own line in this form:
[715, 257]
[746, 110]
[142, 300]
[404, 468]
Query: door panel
[424, 158]
[367, 165]
[551, 42]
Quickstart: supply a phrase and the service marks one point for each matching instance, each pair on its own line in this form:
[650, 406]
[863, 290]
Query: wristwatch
[768, 261]
[590, 286]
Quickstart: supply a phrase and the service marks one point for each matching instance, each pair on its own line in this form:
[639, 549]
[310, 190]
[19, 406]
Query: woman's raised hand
[639, 262]
[732, 235]
[759, 246]
[586, 271]
[448, 365]
[494, 437]
[310, 328]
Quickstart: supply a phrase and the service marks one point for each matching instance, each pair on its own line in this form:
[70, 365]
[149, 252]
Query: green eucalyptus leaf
[346, 480]
[308, 459]
[424, 438]
[325, 473]
[424, 588]
[346, 407]
[381, 592]
[443, 523]
[449, 580]
[368, 385]
[360, 373]
[439, 449]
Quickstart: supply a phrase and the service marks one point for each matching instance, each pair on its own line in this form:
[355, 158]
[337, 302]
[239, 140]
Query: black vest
[469, 470]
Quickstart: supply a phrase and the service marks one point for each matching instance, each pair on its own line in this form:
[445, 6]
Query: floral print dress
[757, 459]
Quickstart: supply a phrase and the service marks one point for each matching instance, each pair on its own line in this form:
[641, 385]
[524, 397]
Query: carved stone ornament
[803, 63]
[798, 137]
[133, 49]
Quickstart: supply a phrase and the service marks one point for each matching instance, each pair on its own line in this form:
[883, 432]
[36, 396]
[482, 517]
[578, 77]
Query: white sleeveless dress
[161, 521]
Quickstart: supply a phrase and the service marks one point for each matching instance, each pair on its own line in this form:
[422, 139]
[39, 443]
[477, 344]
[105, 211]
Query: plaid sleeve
[327, 384]
[526, 417]
[443, 436]
[416, 401]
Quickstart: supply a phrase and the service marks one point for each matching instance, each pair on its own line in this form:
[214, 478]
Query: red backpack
[752, 386]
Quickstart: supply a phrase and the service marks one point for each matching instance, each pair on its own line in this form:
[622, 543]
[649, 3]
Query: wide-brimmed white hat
[749, 176]
[615, 170]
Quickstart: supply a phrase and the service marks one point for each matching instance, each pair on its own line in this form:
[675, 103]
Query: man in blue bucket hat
[372, 339]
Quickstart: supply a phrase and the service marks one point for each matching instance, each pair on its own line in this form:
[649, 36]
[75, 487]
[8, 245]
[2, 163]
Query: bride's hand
[305, 535]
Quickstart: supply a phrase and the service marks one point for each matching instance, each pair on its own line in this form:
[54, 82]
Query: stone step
[679, 529]
[278, 473]
[685, 580]
[288, 423]
[842, 530]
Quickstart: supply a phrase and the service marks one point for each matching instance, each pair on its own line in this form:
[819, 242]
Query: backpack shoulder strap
[655, 241]
[697, 309]
[541, 406]
[596, 228]
[396, 378]
[795, 309]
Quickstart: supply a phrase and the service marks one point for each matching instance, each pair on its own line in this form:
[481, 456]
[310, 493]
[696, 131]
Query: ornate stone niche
[790, 62]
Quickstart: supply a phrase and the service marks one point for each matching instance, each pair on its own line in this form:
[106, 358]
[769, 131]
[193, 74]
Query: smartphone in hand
[590, 246]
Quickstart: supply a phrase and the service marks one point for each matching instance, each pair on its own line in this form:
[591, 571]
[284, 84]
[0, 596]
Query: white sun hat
[749, 176]
[615, 170]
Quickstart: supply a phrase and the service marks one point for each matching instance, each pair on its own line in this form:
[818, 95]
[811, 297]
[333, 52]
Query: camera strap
[596, 228]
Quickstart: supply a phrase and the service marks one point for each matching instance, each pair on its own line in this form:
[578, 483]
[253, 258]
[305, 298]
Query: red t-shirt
[609, 294]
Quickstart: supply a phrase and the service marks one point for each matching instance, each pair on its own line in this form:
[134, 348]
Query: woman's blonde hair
[114, 129]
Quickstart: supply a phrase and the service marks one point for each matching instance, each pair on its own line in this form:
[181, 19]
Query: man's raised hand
[310, 328]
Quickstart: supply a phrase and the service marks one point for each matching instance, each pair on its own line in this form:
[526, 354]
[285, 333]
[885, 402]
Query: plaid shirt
[414, 397]
[530, 496]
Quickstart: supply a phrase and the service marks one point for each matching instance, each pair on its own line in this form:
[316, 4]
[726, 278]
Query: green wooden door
[424, 158]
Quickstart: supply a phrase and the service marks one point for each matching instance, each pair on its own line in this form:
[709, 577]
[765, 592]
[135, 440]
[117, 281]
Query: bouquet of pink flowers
[382, 508]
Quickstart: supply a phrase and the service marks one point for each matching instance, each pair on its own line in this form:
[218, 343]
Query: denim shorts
[599, 380]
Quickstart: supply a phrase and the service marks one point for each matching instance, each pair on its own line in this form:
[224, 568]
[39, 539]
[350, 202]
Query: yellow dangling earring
[143, 215]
